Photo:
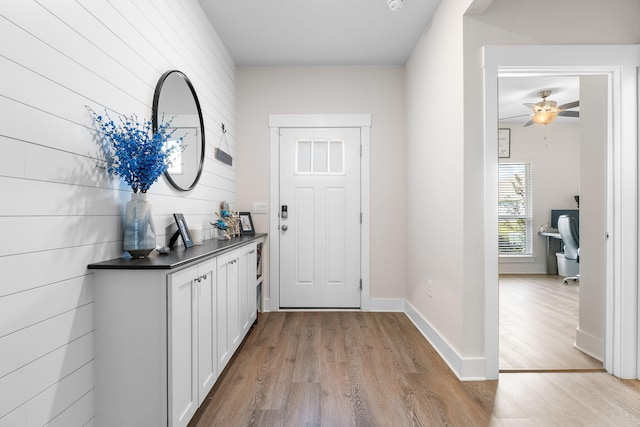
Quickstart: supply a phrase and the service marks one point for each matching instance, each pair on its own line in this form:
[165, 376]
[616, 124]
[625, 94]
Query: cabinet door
[207, 343]
[182, 347]
[227, 304]
[248, 287]
[233, 303]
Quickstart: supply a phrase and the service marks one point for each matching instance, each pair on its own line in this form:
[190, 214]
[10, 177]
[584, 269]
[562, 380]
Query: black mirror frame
[154, 114]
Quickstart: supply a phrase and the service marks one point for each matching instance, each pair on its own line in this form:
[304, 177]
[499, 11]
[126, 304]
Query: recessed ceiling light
[395, 5]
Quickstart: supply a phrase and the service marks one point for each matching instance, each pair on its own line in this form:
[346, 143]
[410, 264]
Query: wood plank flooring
[376, 369]
[538, 321]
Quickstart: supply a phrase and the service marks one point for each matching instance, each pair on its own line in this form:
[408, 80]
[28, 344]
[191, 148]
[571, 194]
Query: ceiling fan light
[544, 117]
[395, 5]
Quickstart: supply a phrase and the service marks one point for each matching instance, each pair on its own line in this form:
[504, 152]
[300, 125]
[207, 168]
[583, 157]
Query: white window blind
[515, 209]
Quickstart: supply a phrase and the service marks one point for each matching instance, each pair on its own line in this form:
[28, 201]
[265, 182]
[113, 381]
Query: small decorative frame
[246, 223]
[183, 229]
[504, 143]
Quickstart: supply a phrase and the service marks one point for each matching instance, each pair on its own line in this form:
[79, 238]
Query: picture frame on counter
[183, 229]
[246, 223]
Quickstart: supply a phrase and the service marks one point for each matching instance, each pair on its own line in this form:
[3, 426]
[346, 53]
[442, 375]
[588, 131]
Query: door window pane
[337, 157]
[303, 157]
[320, 157]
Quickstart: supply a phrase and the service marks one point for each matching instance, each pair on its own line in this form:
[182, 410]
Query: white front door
[320, 231]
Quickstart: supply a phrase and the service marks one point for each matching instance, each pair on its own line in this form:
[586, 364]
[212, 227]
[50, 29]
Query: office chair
[570, 238]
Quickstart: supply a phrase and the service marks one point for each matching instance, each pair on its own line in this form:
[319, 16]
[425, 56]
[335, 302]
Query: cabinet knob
[204, 277]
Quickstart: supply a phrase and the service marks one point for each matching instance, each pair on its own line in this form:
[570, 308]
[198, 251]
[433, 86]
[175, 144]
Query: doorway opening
[619, 65]
[541, 174]
[279, 124]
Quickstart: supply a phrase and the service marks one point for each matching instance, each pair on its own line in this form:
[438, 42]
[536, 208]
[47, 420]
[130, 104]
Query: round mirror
[176, 99]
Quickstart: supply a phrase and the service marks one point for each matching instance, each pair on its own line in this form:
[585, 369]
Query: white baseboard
[589, 344]
[465, 368]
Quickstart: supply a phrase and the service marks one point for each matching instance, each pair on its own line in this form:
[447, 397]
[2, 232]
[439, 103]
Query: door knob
[284, 227]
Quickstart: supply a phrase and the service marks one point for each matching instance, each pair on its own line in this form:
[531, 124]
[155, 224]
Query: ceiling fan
[546, 111]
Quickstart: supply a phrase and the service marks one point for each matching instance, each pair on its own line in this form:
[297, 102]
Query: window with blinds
[515, 209]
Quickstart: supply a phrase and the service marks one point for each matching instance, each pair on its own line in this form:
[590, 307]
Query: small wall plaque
[223, 157]
[504, 143]
[218, 153]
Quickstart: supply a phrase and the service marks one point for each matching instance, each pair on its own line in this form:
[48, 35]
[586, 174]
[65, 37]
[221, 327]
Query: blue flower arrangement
[134, 152]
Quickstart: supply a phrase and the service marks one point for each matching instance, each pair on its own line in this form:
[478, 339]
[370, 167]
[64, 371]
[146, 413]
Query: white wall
[554, 151]
[378, 91]
[59, 211]
[444, 84]
[435, 173]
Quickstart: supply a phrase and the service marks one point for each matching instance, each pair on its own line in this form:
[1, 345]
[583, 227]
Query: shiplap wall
[58, 211]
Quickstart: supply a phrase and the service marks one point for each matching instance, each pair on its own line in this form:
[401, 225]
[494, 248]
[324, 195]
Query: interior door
[320, 218]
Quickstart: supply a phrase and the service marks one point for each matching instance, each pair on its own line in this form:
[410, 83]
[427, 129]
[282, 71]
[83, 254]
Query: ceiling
[318, 32]
[351, 32]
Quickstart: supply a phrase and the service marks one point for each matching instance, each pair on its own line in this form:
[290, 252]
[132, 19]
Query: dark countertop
[178, 257]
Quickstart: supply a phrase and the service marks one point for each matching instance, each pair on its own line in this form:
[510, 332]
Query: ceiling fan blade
[569, 105]
[529, 123]
[569, 113]
[529, 104]
[513, 117]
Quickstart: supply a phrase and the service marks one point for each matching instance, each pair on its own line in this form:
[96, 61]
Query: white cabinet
[237, 300]
[207, 318]
[130, 342]
[248, 291]
[228, 322]
[192, 367]
[166, 327]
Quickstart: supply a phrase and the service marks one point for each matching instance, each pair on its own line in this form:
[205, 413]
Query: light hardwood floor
[376, 369]
[538, 321]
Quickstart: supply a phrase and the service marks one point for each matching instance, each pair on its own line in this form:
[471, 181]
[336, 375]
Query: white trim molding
[319, 120]
[280, 121]
[465, 368]
[589, 344]
[620, 64]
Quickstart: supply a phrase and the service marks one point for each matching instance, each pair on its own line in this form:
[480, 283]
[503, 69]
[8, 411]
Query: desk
[554, 244]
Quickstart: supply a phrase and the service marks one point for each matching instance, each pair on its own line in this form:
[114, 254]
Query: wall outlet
[259, 207]
[429, 286]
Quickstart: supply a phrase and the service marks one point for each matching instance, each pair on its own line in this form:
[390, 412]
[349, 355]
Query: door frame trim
[620, 64]
[278, 121]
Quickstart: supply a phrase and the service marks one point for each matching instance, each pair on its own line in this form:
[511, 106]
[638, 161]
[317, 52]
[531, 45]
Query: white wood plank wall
[58, 211]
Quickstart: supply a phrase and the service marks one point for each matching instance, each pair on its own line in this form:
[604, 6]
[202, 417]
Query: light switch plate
[259, 207]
